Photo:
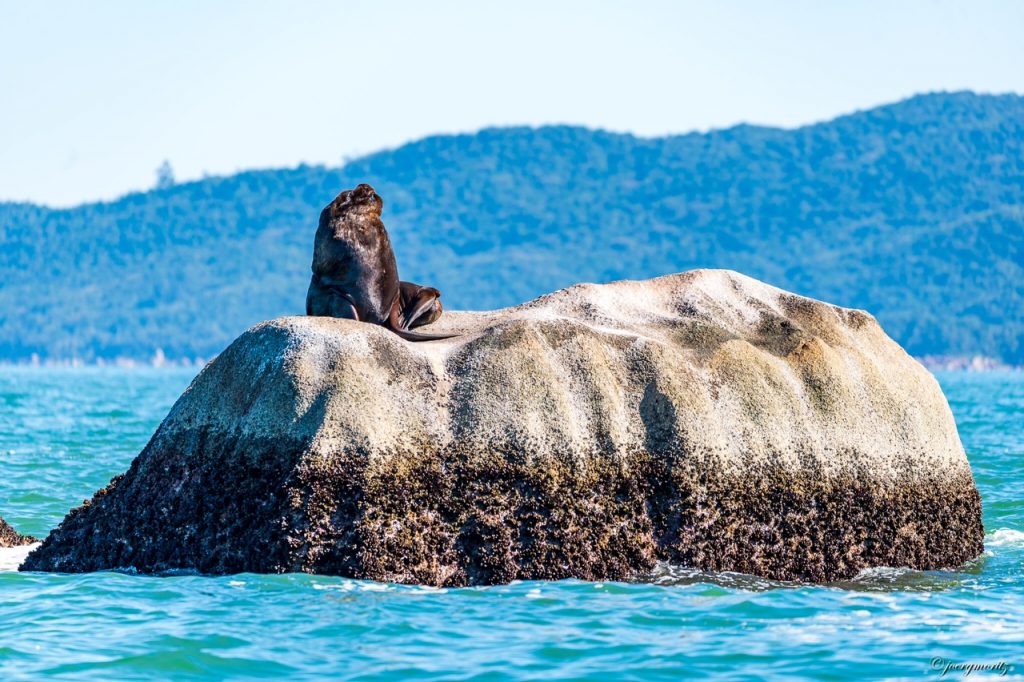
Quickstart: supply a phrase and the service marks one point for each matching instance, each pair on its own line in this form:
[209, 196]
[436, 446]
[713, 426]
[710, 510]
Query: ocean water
[65, 432]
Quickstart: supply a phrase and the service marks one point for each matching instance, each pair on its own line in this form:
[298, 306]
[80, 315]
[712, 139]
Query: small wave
[665, 573]
[875, 579]
[348, 585]
[883, 573]
[1005, 537]
[904, 579]
[12, 557]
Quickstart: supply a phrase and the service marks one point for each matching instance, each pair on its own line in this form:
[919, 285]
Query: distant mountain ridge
[913, 211]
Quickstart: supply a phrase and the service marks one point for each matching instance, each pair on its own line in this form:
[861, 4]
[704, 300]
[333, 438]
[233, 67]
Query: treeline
[913, 211]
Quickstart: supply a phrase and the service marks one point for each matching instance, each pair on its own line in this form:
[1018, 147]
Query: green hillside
[913, 211]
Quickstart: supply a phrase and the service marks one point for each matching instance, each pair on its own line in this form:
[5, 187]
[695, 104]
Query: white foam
[1005, 537]
[882, 573]
[12, 557]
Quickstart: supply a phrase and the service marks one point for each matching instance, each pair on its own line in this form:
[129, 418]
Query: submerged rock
[12, 538]
[705, 419]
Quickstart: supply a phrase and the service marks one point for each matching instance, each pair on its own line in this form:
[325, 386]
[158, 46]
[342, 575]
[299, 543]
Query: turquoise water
[65, 433]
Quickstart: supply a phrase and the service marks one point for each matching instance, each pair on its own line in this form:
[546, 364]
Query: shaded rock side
[12, 538]
[704, 418]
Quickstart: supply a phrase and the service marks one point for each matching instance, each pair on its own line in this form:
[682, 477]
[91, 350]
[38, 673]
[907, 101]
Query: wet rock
[12, 538]
[704, 419]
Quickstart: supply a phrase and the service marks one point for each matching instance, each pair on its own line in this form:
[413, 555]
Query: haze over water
[65, 432]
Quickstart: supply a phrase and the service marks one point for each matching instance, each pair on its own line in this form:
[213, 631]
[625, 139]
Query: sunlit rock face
[704, 419]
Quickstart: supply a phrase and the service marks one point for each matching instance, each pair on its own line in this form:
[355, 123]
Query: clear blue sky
[97, 94]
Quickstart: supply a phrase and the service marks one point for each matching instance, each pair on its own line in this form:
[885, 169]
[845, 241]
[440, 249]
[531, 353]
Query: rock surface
[12, 538]
[704, 418]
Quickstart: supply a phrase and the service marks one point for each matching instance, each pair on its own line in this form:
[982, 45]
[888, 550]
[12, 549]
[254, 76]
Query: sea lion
[355, 275]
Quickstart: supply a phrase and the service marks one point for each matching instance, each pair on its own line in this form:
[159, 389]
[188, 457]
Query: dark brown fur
[420, 305]
[355, 275]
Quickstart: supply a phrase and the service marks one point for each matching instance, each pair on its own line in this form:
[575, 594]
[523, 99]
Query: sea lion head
[363, 199]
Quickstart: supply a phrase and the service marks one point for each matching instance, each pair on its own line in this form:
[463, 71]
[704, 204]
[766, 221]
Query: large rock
[705, 419]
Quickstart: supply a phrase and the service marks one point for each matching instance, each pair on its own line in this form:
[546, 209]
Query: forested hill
[913, 211]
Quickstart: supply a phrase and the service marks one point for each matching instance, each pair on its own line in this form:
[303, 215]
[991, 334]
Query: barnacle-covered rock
[704, 418]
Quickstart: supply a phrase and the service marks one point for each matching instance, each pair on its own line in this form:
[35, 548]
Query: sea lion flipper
[428, 311]
[395, 324]
[328, 299]
[417, 336]
[420, 305]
